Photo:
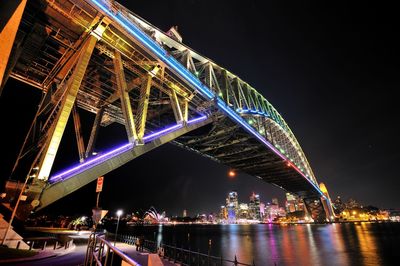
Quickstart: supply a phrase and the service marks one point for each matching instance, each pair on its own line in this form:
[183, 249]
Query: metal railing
[102, 252]
[187, 257]
[184, 257]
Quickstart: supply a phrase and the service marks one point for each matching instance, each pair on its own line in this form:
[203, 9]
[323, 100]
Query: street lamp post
[119, 213]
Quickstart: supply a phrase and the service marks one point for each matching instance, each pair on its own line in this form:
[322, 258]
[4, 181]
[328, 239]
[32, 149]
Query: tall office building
[232, 205]
[223, 213]
[243, 211]
[293, 203]
[262, 210]
[254, 207]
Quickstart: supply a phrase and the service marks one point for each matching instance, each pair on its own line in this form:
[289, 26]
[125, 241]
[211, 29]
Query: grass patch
[11, 253]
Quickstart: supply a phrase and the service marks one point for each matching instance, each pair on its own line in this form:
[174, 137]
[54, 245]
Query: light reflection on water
[367, 245]
[267, 244]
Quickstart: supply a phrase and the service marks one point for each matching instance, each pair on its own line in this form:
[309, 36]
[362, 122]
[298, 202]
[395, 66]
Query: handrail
[97, 245]
[184, 257]
[207, 256]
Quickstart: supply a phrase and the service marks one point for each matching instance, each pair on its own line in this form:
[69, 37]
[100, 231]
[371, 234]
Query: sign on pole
[98, 214]
[99, 186]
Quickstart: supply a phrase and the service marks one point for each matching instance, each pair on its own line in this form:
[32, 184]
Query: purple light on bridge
[160, 133]
[195, 120]
[81, 167]
[168, 129]
[91, 162]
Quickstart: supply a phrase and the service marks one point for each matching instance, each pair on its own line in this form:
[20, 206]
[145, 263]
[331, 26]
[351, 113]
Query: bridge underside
[229, 144]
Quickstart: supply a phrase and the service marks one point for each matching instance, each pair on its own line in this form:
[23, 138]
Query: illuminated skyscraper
[254, 207]
[290, 202]
[293, 203]
[262, 210]
[232, 205]
[243, 211]
[223, 213]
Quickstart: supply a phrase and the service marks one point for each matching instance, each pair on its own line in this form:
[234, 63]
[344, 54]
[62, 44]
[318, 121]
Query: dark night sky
[331, 70]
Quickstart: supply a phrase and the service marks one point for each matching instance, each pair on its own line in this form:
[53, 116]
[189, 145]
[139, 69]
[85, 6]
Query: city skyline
[326, 90]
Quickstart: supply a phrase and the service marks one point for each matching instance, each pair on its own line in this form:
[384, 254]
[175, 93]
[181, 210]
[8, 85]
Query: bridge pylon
[320, 207]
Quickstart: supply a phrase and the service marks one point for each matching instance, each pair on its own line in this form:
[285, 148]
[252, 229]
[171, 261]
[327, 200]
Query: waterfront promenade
[75, 254]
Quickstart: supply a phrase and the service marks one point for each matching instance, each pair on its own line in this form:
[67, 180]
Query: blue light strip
[95, 161]
[186, 74]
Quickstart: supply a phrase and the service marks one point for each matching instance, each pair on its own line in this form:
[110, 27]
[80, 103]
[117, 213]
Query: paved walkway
[48, 252]
[139, 256]
[75, 255]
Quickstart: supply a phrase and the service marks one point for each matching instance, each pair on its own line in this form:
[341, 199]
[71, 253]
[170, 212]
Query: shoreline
[272, 223]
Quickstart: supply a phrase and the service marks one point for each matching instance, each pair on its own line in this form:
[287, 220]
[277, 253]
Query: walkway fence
[101, 252]
[184, 257]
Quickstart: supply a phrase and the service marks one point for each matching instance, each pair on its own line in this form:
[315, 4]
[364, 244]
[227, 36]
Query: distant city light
[231, 173]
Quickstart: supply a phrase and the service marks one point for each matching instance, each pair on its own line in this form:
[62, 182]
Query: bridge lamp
[231, 173]
[119, 213]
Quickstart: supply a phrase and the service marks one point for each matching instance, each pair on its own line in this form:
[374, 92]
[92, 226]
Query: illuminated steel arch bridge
[99, 56]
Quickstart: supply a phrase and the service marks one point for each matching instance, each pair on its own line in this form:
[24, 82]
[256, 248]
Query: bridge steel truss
[99, 56]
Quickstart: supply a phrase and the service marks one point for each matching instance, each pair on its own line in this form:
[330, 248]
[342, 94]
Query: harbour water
[269, 244]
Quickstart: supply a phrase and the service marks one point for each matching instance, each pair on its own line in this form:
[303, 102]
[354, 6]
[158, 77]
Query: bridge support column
[124, 95]
[78, 133]
[93, 133]
[176, 107]
[141, 113]
[66, 105]
[185, 110]
[8, 30]
[316, 209]
[327, 203]
[328, 209]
